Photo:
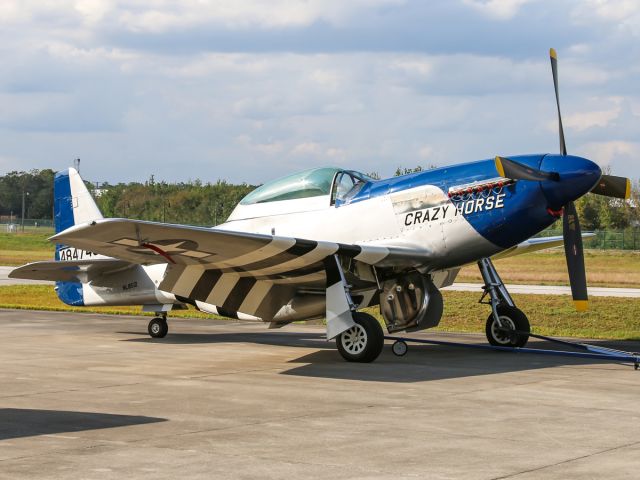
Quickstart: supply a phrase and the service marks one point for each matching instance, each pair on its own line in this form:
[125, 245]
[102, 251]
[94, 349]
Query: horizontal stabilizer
[69, 271]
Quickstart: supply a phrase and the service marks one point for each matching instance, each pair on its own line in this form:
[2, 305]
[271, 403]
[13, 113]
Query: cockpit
[339, 185]
[311, 190]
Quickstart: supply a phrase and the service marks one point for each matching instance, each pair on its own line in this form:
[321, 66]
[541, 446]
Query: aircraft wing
[535, 244]
[69, 271]
[250, 273]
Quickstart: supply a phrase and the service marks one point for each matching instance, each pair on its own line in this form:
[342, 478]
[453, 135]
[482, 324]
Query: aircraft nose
[577, 177]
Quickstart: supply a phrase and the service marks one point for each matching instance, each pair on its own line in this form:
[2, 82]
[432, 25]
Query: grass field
[605, 268]
[18, 248]
[611, 318]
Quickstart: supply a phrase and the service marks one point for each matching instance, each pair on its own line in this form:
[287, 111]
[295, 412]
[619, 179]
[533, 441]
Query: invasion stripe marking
[273, 248]
[226, 313]
[296, 250]
[323, 250]
[239, 293]
[349, 250]
[255, 297]
[222, 289]
[205, 284]
[372, 254]
[298, 272]
[318, 278]
[181, 280]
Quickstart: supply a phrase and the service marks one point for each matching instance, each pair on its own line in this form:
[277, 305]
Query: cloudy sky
[247, 90]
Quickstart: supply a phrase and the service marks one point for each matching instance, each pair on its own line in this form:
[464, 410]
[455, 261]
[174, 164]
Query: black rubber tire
[518, 320]
[158, 328]
[399, 348]
[367, 348]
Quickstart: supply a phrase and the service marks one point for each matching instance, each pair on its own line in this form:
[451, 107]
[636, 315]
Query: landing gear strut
[158, 327]
[507, 325]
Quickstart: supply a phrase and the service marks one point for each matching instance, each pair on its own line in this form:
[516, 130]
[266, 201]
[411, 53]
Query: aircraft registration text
[70, 253]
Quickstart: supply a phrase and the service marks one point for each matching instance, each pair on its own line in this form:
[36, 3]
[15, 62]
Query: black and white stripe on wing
[297, 250]
[238, 294]
[205, 284]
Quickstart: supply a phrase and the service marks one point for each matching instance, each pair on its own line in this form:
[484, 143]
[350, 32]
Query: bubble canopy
[314, 182]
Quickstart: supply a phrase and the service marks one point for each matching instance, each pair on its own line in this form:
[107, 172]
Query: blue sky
[249, 90]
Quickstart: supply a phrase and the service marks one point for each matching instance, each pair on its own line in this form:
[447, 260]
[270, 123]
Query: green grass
[608, 318]
[21, 248]
[26, 241]
[43, 297]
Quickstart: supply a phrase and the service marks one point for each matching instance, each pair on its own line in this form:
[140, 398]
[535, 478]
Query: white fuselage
[398, 219]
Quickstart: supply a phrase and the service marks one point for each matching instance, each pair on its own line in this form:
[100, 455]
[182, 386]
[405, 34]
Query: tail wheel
[512, 319]
[158, 328]
[363, 342]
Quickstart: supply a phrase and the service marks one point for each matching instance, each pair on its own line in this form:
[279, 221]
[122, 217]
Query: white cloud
[623, 15]
[610, 152]
[426, 151]
[497, 9]
[307, 148]
[157, 16]
[336, 153]
[93, 11]
[596, 118]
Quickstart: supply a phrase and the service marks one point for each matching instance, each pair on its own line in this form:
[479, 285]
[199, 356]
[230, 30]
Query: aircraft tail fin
[72, 202]
[72, 205]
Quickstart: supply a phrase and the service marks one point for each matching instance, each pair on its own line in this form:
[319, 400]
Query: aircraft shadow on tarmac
[422, 362]
[25, 422]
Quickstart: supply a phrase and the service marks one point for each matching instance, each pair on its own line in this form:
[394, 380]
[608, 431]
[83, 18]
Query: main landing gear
[158, 327]
[507, 325]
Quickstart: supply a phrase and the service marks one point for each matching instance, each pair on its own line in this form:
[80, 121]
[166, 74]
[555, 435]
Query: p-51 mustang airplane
[327, 242]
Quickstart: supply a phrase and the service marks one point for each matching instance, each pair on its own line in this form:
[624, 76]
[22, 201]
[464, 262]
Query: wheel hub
[354, 340]
[502, 334]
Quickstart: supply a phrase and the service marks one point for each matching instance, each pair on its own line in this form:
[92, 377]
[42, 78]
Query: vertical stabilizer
[72, 204]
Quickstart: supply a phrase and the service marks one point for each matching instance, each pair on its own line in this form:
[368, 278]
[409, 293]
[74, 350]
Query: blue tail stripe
[68, 292]
[62, 202]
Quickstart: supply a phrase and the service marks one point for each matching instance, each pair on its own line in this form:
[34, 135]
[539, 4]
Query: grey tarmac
[5, 280]
[92, 396]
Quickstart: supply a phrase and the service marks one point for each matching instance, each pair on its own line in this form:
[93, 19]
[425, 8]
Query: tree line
[192, 202]
[199, 203]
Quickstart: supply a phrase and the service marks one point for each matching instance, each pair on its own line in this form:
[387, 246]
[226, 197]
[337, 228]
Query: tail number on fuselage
[69, 253]
[465, 207]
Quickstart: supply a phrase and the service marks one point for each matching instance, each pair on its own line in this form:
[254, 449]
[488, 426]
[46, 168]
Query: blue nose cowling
[577, 177]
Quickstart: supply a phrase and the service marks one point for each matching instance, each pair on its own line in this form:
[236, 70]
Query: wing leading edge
[535, 244]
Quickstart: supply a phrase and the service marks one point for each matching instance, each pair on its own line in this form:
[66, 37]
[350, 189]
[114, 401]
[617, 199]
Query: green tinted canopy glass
[310, 183]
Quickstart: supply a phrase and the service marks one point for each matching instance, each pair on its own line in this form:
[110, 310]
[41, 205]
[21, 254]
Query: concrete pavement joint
[570, 460]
